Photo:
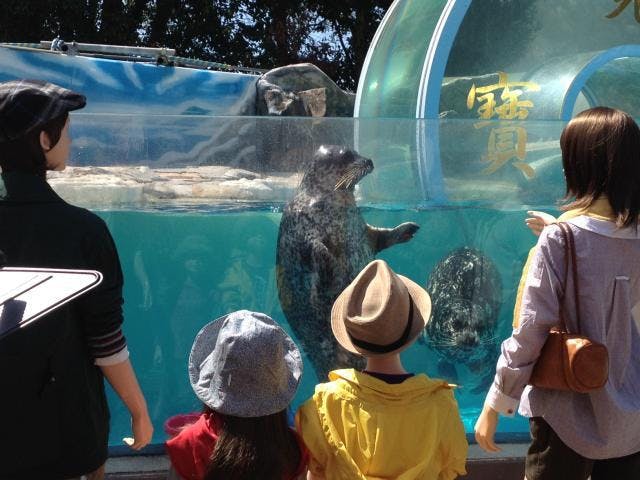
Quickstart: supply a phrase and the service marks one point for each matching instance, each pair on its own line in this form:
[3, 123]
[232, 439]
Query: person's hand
[536, 221]
[142, 432]
[485, 429]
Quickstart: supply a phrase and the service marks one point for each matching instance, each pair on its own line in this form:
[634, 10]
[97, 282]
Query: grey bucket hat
[244, 364]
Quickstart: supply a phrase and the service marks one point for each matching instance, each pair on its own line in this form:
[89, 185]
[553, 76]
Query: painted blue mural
[132, 88]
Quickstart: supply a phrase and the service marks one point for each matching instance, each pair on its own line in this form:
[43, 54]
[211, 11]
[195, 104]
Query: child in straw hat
[246, 370]
[383, 422]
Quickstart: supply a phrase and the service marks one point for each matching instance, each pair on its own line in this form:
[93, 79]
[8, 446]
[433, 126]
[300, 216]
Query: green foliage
[332, 34]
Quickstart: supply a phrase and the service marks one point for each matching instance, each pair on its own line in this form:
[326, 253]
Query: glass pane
[196, 222]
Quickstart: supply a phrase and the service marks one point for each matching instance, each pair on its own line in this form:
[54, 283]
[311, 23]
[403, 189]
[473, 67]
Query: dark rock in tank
[301, 90]
[323, 243]
[466, 292]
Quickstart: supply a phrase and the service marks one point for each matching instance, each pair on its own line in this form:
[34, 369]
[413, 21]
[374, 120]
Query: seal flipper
[320, 254]
[382, 238]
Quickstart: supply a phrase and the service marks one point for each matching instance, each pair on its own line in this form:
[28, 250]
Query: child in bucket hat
[245, 369]
[383, 422]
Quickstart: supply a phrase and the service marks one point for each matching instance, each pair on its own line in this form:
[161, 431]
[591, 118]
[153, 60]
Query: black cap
[26, 105]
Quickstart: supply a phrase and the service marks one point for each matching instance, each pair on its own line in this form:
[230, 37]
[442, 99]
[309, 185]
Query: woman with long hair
[596, 434]
[245, 369]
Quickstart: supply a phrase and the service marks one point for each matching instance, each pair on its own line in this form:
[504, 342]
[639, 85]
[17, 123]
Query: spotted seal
[323, 243]
[466, 291]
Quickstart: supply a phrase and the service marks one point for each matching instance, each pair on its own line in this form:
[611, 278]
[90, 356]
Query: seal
[466, 292]
[323, 243]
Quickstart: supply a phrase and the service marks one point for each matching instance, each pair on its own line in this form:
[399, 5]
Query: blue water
[183, 269]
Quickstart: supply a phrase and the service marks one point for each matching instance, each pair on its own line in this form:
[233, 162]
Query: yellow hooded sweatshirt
[358, 427]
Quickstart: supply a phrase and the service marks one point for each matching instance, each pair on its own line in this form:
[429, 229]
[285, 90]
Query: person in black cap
[34, 125]
[53, 408]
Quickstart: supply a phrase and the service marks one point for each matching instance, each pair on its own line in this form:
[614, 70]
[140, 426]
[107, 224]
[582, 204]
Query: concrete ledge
[507, 464]
[137, 476]
[498, 469]
[138, 467]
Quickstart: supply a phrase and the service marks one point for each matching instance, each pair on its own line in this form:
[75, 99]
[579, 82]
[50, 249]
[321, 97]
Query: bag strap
[570, 252]
[563, 326]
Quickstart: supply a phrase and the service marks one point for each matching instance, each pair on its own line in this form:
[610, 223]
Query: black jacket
[54, 416]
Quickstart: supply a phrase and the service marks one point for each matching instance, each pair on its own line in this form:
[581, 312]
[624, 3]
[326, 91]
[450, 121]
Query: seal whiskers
[352, 177]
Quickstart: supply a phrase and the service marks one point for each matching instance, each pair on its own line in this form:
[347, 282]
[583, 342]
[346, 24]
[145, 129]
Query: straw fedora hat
[380, 312]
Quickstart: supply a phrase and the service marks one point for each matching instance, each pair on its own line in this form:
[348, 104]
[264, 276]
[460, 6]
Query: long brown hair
[601, 156]
[25, 154]
[262, 448]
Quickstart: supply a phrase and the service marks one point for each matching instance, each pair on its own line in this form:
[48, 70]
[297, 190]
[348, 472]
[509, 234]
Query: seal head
[335, 168]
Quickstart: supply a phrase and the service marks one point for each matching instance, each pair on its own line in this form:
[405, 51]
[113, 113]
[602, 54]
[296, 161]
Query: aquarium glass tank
[198, 240]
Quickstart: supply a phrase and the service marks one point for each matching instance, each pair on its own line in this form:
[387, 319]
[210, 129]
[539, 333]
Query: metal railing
[159, 56]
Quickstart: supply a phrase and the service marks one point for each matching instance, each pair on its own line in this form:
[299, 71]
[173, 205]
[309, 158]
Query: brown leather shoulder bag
[570, 361]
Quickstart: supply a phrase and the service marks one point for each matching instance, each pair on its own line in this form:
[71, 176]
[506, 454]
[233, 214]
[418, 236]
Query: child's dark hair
[256, 447]
[601, 156]
[25, 154]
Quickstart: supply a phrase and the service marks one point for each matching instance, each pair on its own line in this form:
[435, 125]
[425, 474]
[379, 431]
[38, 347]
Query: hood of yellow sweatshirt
[367, 386]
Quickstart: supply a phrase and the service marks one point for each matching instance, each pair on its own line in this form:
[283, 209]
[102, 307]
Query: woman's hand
[538, 220]
[486, 429]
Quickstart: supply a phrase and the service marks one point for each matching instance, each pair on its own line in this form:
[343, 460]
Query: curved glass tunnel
[426, 55]
[508, 61]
